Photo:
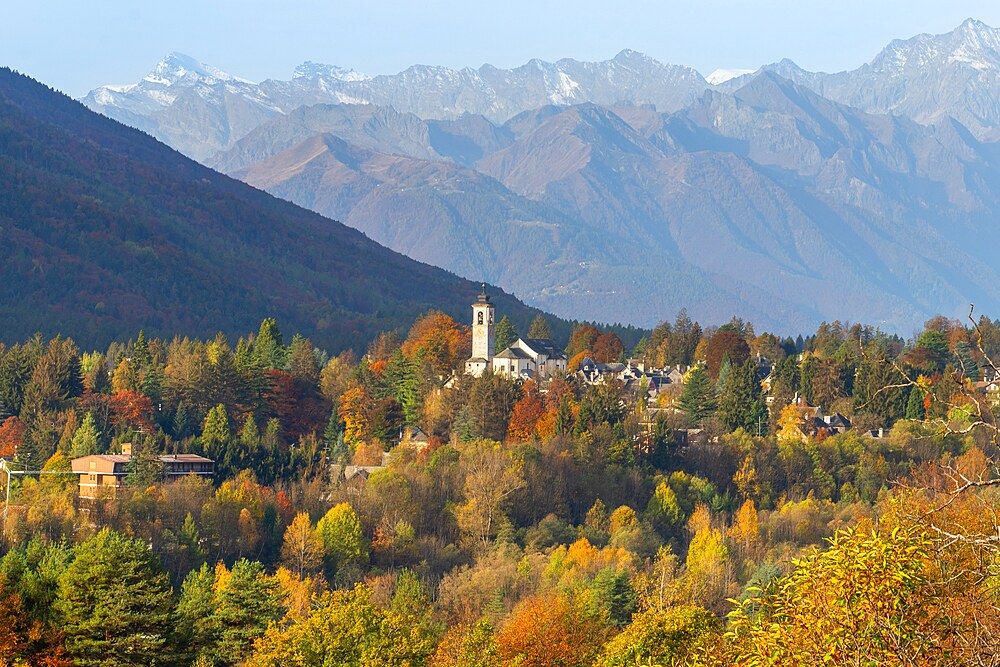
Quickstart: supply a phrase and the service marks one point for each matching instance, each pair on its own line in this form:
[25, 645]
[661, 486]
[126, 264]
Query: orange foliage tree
[608, 348]
[553, 631]
[25, 642]
[438, 340]
[131, 409]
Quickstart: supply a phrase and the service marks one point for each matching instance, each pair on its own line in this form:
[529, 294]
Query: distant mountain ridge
[200, 110]
[627, 189]
[927, 78]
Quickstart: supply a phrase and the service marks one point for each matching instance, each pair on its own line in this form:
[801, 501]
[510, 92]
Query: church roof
[544, 346]
[512, 353]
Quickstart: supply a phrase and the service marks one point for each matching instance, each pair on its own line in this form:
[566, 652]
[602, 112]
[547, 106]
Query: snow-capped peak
[309, 69]
[722, 75]
[178, 66]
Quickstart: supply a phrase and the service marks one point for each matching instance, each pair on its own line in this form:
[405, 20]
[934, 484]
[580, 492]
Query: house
[831, 424]
[415, 437]
[101, 475]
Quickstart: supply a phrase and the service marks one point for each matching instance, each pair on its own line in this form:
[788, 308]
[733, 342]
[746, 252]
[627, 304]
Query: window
[479, 319]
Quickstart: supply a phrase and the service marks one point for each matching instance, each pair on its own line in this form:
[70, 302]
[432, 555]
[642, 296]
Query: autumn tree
[12, 433]
[539, 328]
[608, 348]
[726, 342]
[526, 413]
[439, 341]
[582, 339]
[302, 549]
[553, 631]
[492, 476]
[345, 628]
[341, 535]
[668, 636]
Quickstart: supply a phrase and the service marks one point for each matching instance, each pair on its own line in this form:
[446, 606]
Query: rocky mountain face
[927, 78]
[200, 110]
[782, 196]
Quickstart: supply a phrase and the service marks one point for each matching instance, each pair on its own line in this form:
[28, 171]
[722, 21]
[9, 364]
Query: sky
[75, 46]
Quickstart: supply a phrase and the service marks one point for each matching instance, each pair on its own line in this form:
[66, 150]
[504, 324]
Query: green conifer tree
[505, 334]
[915, 405]
[115, 604]
[698, 397]
[741, 403]
[87, 438]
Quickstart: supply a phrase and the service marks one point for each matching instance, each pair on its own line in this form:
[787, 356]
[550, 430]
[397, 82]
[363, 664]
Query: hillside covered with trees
[566, 522]
[103, 230]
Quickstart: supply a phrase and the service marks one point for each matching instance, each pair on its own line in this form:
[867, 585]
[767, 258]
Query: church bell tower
[482, 335]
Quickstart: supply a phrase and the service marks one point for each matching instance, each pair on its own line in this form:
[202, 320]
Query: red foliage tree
[608, 348]
[299, 406]
[527, 412]
[725, 342]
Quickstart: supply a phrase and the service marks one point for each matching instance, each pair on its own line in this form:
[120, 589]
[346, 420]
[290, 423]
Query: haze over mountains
[627, 189]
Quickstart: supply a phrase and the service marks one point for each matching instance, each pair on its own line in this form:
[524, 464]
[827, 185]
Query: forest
[380, 507]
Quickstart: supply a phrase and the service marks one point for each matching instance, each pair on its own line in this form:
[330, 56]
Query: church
[536, 358]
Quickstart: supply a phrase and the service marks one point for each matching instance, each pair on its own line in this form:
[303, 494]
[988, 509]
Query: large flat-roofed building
[101, 475]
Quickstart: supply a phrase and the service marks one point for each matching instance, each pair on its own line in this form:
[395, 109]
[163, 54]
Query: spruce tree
[268, 347]
[741, 403]
[915, 405]
[505, 334]
[698, 397]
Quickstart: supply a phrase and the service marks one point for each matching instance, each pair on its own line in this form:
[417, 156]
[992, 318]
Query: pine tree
[140, 351]
[698, 397]
[197, 625]
[301, 360]
[246, 603]
[115, 603]
[539, 328]
[505, 334]
[215, 434]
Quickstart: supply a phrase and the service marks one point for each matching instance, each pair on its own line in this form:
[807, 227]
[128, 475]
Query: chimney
[127, 449]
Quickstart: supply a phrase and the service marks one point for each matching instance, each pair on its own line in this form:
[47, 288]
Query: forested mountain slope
[103, 230]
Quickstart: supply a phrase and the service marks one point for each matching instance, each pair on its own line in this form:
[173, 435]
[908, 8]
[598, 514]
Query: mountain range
[627, 189]
[105, 231]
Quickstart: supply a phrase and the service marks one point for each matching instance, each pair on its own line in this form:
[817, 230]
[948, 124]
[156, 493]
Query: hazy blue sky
[75, 45]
